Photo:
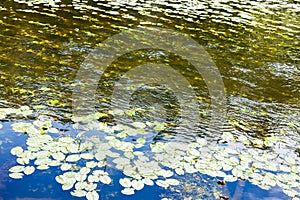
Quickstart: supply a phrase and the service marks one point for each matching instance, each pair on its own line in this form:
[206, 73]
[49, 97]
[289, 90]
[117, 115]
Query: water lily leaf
[201, 141]
[227, 136]
[284, 168]
[16, 169]
[137, 184]
[121, 161]
[92, 178]
[100, 156]
[92, 195]
[129, 154]
[90, 187]
[159, 126]
[60, 179]
[78, 193]
[291, 192]
[179, 171]
[122, 134]
[116, 112]
[172, 181]
[138, 125]
[80, 177]
[81, 185]
[148, 181]
[243, 139]
[162, 183]
[84, 170]
[141, 141]
[128, 191]
[91, 164]
[87, 156]
[22, 161]
[112, 154]
[43, 167]
[125, 182]
[73, 158]
[220, 174]
[230, 178]
[66, 166]
[73, 148]
[66, 140]
[194, 152]
[29, 170]
[54, 163]
[105, 179]
[16, 150]
[16, 175]
[58, 156]
[53, 130]
[67, 186]
[42, 161]
[236, 172]
[166, 173]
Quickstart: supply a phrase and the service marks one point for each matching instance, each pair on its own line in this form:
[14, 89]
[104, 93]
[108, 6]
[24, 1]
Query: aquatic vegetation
[83, 159]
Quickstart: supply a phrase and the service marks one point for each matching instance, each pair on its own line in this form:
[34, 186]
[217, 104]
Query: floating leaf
[125, 182]
[16, 175]
[91, 164]
[227, 136]
[92, 178]
[22, 161]
[141, 141]
[16, 169]
[230, 178]
[148, 181]
[73, 158]
[201, 141]
[84, 170]
[29, 170]
[172, 181]
[105, 179]
[67, 186]
[92, 195]
[80, 177]
[162, 183]
[53, 130]
[58, 156]
[179, 171]
[138, 125]
[43, 167]
[79, 193]
[16, 150]
[128, 191]
[87, 156]
[137, 184]
[65, 166]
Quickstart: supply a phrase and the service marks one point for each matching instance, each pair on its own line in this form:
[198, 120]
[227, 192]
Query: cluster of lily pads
[84, 158]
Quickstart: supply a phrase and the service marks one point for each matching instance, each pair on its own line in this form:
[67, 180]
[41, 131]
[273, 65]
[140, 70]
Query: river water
[254, 45]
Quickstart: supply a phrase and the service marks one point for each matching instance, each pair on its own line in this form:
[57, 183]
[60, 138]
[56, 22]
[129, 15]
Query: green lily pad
[17, 169]
[128, 191]
[125, 182]
[29, 170]
[16, 175]
[92, 195]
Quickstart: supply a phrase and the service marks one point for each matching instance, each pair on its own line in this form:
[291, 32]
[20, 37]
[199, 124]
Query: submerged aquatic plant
[84, 159]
